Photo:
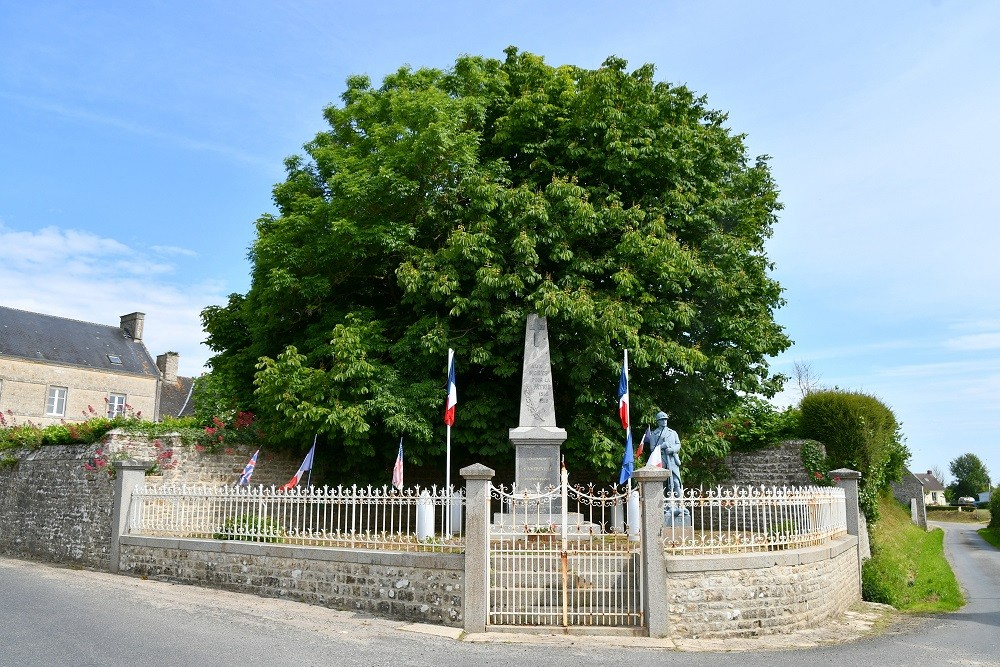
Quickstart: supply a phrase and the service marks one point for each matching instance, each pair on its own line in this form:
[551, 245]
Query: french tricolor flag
[307, 465]
[623, 393]
[452, 400]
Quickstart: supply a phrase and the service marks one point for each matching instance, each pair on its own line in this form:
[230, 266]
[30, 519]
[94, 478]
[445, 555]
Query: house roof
[929, 481]
[175, 397]
[45, 338]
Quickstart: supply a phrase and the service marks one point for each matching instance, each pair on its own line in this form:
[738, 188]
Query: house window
[116, 404]
[55, 406]
[115, 359]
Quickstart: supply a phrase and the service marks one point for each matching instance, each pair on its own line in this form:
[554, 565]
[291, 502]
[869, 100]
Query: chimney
[132, 325]
[167, 363]
[930, 472]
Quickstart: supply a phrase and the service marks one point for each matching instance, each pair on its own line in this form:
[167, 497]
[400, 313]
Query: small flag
[397, 470]
[647, 437]
[654, 458]
[452, 400]
[623, 393]
[248, 470]
[628, 461]
[307, 464]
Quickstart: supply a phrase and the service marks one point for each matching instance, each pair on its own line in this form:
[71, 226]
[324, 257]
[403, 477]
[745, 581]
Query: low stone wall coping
[760, 560]
[436, 561]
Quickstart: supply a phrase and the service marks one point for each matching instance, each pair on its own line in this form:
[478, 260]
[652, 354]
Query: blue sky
[140, 141]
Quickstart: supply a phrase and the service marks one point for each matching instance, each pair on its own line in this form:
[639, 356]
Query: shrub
[859, 432]
[250, 528]
[995, 509]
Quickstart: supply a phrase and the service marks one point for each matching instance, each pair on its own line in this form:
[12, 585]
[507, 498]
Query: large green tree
[971, 477]
[441, 208]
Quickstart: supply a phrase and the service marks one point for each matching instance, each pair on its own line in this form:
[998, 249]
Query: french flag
[623, 393]
[452, 400]
[307, 464]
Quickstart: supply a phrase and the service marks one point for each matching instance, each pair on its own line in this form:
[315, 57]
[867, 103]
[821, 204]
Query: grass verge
[908, 569]
[991, 535]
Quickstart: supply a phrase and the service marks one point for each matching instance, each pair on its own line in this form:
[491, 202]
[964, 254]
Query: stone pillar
[127, 475]
[477, 545]
[654, 571]
[847, 480]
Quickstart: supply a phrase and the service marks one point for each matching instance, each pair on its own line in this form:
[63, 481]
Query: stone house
[54, 369]
[933, 488]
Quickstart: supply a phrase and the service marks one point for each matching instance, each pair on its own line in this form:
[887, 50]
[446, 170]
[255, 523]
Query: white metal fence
[747, 519]
[362, 517]
[563, 557]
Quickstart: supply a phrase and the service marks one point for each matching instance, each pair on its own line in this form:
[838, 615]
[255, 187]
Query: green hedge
[861, 433]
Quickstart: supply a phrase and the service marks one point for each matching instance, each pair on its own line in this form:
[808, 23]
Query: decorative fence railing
[564, 510]
[358, 517]
[747, 519]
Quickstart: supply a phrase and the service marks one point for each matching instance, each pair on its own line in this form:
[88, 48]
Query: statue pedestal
[536, 456]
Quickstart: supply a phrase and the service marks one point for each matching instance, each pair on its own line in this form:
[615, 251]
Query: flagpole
[628, 419]
[447, 451]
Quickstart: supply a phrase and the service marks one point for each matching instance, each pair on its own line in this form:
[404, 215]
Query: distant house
[176, 391]
[933, 489]
[54, 369]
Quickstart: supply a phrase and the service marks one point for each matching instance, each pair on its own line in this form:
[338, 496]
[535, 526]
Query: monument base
[514, 526]
[536, 456]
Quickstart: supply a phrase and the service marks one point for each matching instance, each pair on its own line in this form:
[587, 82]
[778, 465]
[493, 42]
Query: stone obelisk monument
[536, 439]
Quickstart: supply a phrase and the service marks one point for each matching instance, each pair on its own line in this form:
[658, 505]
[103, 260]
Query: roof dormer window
[115, 359]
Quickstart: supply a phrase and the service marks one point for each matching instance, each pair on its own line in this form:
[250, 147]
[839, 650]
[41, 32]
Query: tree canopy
[971, 477]
[441, 208]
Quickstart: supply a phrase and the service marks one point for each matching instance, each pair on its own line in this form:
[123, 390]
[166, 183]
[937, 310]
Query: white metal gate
[556, 565]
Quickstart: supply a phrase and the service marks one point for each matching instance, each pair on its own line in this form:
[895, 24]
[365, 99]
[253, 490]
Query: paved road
[60, 616]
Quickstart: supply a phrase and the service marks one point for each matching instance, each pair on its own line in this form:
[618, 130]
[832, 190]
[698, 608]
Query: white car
[966, 501]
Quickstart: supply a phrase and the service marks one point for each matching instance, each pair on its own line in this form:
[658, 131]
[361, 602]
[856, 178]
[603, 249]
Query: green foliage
[971, 477]
[8, 461]
[443, 207]
[250, 528]
[861, 433]
[211, 398]
[32, 436]
[883, 577]
[815, 462]
[995, 509]
[755, 424]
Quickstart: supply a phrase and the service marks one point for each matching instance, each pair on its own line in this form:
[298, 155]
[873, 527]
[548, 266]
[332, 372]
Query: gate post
[477, 545]
[127, 475]
[656, 606]
[849, 480]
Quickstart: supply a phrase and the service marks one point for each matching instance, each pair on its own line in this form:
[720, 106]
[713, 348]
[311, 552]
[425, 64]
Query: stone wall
[53, 509]
[193, 465]
[420, 587]
[780, 465]
[756, 594]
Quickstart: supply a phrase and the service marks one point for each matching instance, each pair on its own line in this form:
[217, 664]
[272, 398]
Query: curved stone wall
[746, 595]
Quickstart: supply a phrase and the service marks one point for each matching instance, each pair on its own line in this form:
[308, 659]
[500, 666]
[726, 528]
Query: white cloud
[173, 250]
[974, 342]
[82, 276]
